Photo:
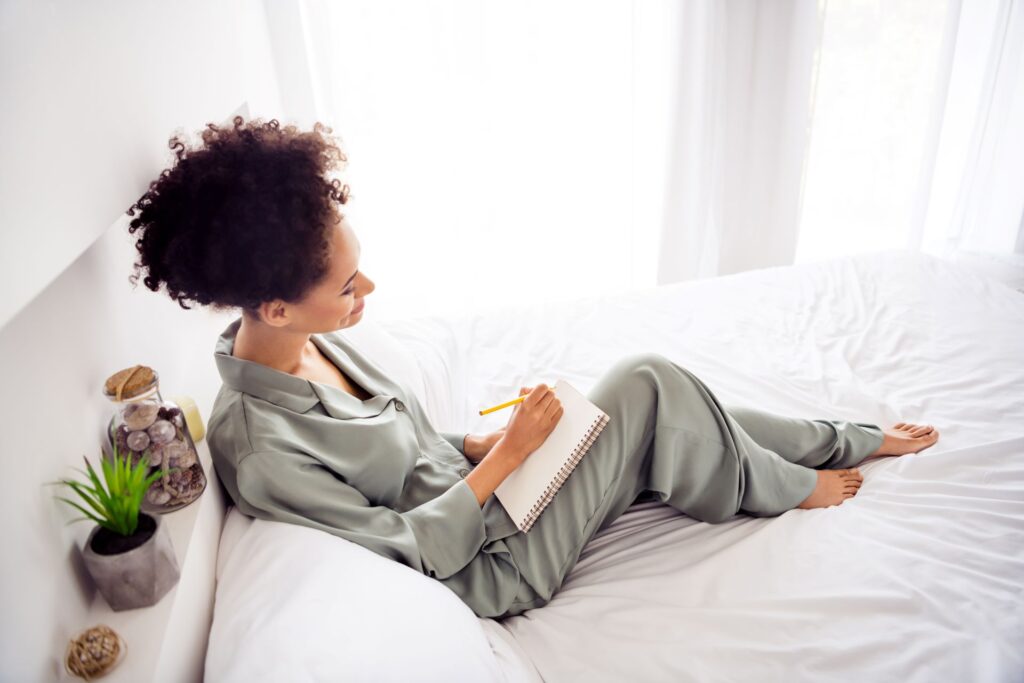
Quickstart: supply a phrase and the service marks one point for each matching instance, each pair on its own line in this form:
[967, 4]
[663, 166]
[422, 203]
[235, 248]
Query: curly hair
[242, 219]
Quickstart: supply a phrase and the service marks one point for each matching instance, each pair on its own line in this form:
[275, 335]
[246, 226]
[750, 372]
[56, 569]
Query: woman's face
[338, 300]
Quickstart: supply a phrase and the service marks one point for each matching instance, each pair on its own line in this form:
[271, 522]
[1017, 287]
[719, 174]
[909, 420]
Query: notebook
[530, 487]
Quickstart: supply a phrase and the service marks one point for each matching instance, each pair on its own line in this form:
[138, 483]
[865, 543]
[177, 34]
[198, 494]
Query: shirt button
[399, 405]
[463, 472]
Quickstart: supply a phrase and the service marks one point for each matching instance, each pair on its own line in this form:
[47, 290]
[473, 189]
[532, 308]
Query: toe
[899, 425]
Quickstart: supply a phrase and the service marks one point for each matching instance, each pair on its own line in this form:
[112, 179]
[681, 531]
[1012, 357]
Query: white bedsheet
[920, 577]
[917, 578]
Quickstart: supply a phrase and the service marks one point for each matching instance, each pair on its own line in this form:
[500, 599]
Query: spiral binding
[577, 454]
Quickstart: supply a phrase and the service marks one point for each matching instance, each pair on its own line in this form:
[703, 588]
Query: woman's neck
[275, 347]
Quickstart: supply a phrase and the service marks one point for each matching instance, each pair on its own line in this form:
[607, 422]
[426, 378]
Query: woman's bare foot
[833, 487]
[906, 438]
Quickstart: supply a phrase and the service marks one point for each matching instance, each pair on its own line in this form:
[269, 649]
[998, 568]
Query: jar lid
[129, 382]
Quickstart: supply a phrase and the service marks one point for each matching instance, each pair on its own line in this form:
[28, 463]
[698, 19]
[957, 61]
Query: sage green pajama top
[377, 473]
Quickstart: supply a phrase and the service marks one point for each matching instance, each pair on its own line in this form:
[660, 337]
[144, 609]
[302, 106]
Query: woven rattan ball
[94, 652]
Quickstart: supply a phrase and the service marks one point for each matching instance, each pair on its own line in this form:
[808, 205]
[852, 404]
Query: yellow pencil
[506, 404]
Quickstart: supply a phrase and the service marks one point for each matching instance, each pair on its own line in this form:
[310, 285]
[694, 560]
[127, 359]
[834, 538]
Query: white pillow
[377, 344]
[421, 355]
[299, 604]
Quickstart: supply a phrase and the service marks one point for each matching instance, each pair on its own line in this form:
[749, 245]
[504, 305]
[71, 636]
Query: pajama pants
[670, 436]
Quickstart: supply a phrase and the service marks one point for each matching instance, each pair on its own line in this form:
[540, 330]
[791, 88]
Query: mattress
[917, 578]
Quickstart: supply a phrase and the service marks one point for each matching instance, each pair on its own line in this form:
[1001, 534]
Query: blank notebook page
[530, 487]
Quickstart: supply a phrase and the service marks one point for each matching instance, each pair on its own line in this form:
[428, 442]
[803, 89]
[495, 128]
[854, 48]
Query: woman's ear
[274, 313]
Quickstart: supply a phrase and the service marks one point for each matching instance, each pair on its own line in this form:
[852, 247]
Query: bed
[919, 577]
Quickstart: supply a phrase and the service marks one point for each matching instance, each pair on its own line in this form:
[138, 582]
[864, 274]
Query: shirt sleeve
[455, 439]
[438, 538]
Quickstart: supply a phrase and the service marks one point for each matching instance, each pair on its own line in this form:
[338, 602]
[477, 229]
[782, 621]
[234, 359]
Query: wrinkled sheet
[919, 577]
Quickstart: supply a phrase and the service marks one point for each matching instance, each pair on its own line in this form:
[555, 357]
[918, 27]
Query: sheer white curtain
[490, 147]
[972, 194]
[917, 130]
[741, 119]
[515, 153]
[518, 152]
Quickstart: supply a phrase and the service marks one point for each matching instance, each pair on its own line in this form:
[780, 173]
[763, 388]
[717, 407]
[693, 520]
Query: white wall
[92, 91]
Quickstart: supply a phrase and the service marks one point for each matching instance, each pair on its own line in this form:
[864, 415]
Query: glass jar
[144, 423]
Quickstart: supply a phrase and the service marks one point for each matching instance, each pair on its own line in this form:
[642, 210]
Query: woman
[307, 430]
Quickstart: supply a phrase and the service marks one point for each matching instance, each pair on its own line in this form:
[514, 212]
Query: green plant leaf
[113, 503]
[126, 474]
[99, 489]
[139, 475]
[117, 486]
[69, 482]
[85, 494]
[110, 474]
[105, 466]
[114, 528]
[133, 517]
[117, 499]
[136, 475]
[81, 471]
[85, 512]
[88, 489]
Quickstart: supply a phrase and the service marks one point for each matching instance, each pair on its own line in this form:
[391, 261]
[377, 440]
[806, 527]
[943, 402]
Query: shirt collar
[295, 393]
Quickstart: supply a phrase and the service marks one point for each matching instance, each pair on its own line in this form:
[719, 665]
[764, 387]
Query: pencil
[506, 404]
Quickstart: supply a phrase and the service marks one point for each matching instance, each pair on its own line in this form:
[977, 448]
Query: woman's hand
[532, 420]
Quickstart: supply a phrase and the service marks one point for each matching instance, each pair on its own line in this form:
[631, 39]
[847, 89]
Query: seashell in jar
[140, 415]
[174, 450]
[188, 458]
[172, 414]
[189, 483]
[157, 495]
[198, 482]
[138, 440]
[121, 439]
[156, 456]
[161, 432]
[180, 481]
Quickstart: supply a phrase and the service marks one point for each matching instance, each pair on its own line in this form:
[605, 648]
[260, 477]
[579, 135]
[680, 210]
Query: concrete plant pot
[141, 574]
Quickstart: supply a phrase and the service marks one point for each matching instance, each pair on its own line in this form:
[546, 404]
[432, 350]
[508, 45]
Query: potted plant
[128, 554]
